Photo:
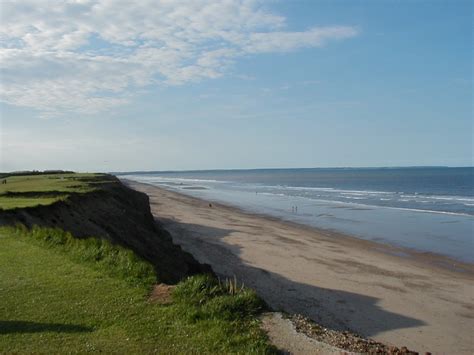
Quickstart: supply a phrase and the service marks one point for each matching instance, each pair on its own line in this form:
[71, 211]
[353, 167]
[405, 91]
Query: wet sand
[339, 281]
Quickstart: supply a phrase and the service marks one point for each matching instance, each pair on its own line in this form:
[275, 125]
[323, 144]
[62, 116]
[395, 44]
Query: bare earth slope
[341, 282]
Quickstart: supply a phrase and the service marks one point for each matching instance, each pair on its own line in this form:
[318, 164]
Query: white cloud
[88, 56]
[288, 41]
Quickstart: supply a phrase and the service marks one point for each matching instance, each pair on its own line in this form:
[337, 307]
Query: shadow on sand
[333, 309]
[14, 326]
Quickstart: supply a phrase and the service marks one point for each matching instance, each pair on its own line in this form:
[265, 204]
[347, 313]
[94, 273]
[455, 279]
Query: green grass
[60, 294]
[32, 190]
[97, 253]
[8, 203]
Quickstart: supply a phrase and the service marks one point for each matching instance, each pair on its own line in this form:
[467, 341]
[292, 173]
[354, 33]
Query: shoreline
[427, 258]
[341, 282]
[443, 234]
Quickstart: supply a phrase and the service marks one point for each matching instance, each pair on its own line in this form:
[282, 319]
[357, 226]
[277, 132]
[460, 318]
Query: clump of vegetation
[212, 298]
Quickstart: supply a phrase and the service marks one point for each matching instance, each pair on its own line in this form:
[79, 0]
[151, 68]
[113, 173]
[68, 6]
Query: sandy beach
[339, 281]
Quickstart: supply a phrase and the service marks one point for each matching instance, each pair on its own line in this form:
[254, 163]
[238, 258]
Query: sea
[427, 209]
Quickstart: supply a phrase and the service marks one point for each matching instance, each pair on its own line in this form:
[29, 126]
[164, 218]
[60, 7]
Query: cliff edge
[118, 214]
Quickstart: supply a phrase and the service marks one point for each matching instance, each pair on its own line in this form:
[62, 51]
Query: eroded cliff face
[120, 215]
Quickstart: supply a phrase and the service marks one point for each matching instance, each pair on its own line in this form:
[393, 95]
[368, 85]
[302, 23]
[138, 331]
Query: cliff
[120, 215]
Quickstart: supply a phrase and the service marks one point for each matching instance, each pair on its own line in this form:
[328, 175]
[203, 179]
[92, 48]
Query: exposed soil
[162, 294]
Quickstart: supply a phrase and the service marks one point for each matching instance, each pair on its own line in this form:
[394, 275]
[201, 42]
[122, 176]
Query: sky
[182, 85]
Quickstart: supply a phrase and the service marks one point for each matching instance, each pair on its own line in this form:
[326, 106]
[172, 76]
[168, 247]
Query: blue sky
[91, 87]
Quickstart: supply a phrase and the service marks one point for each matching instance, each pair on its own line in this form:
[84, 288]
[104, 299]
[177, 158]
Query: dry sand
[341, 282]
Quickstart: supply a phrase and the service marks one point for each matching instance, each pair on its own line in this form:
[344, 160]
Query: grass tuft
[214, 299]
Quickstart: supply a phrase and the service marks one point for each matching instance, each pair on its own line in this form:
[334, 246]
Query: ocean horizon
[428, 209]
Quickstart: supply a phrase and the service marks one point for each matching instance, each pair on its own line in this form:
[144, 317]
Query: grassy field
[32, 190]
[8, 202]
[60, 294]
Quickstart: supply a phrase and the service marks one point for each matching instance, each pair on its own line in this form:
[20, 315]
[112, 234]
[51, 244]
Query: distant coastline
[286, 168]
